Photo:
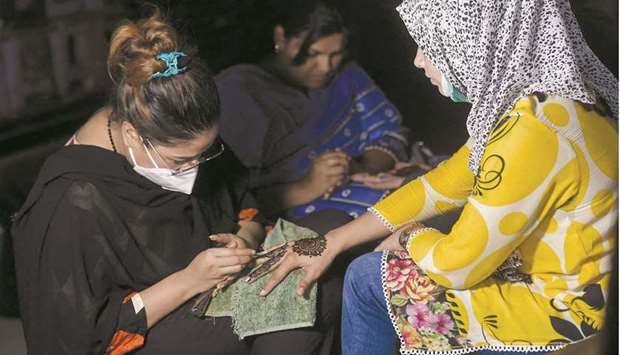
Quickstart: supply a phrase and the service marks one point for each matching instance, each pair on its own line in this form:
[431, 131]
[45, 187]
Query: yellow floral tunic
[547, 191]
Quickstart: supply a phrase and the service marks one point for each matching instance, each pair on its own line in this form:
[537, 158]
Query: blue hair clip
[171, 60]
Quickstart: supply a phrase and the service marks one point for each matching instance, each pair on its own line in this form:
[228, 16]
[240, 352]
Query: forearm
[251, 232]
[168, 294]
[364, 229]
[283, 196]
[297, 193]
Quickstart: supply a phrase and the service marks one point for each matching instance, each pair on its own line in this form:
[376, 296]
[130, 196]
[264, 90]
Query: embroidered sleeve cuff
[380, 217]
[415, 233]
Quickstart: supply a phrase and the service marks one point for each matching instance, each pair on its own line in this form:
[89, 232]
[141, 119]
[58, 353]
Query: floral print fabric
[418, 306]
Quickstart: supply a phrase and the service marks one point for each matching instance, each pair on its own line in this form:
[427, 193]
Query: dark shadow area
[236, 31]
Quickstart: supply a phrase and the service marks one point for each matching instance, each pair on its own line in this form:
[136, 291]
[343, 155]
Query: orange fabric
[124, 342]
[247, 214]
[128, 297]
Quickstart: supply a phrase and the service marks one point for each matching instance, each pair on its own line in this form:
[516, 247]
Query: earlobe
[279, 36]
[130, 135]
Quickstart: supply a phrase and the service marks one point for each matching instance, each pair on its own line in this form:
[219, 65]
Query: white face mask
[182, 182]
[444, 87]
[448, 90]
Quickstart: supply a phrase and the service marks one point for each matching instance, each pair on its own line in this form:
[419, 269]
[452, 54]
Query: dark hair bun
[168, 109]
[134, 46]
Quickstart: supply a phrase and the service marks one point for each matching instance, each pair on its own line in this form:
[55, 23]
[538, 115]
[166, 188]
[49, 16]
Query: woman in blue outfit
[303, 119]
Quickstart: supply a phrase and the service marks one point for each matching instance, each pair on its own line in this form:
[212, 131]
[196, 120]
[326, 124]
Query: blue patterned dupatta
[357, 118]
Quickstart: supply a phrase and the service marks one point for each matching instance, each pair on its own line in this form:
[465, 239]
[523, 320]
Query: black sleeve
[249, 209]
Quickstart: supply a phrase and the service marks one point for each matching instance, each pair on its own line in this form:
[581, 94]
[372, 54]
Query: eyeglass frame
[201, 159]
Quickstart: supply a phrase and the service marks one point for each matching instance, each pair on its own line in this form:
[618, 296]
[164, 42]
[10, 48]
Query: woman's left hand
[390, 243]
[313, 256]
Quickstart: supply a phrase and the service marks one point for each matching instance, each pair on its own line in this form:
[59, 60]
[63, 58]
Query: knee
[363, 272]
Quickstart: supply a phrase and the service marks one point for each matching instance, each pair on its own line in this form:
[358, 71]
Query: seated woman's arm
[280, 197]
[383, 136]
[283, 196]
[524, 176]
[326, 172]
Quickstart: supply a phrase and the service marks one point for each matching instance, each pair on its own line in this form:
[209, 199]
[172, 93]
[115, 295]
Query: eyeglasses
[213, 151]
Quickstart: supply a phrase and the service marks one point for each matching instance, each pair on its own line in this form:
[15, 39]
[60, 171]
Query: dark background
[228, 32]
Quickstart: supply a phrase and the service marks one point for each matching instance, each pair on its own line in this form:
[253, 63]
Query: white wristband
[136, 300]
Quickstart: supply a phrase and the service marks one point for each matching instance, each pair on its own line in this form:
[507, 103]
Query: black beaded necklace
[110, 135]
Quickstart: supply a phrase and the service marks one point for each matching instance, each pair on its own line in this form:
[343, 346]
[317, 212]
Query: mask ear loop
[133, 158]
[146, 149]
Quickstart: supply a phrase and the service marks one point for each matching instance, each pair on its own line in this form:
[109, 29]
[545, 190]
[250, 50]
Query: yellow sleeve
[437, 192]
[526, 172]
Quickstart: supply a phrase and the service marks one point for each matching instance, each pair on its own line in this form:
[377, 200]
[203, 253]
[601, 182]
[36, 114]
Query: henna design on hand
[303, 247]
[273, 257]
[310, 246]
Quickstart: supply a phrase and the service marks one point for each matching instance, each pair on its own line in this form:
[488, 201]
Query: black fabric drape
[92, 231]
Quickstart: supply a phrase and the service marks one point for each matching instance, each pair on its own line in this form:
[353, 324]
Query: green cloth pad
[281, 309]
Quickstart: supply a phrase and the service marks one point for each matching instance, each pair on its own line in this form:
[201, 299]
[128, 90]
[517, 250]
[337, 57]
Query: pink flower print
[418, 289]
[398, 271]
[444, 323]
[420, 316]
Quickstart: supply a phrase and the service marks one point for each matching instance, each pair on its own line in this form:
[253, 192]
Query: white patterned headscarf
[498, 51]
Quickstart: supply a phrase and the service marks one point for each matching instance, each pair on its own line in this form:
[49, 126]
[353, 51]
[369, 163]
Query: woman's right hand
[328, 171]
[216, 265]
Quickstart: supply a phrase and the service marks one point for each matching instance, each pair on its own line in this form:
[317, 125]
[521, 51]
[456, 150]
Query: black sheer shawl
[93, 231]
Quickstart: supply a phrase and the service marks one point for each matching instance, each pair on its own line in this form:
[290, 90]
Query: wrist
[310, 190]
[191, 283]
[299, 192]
[335, 245]
[403, 239]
